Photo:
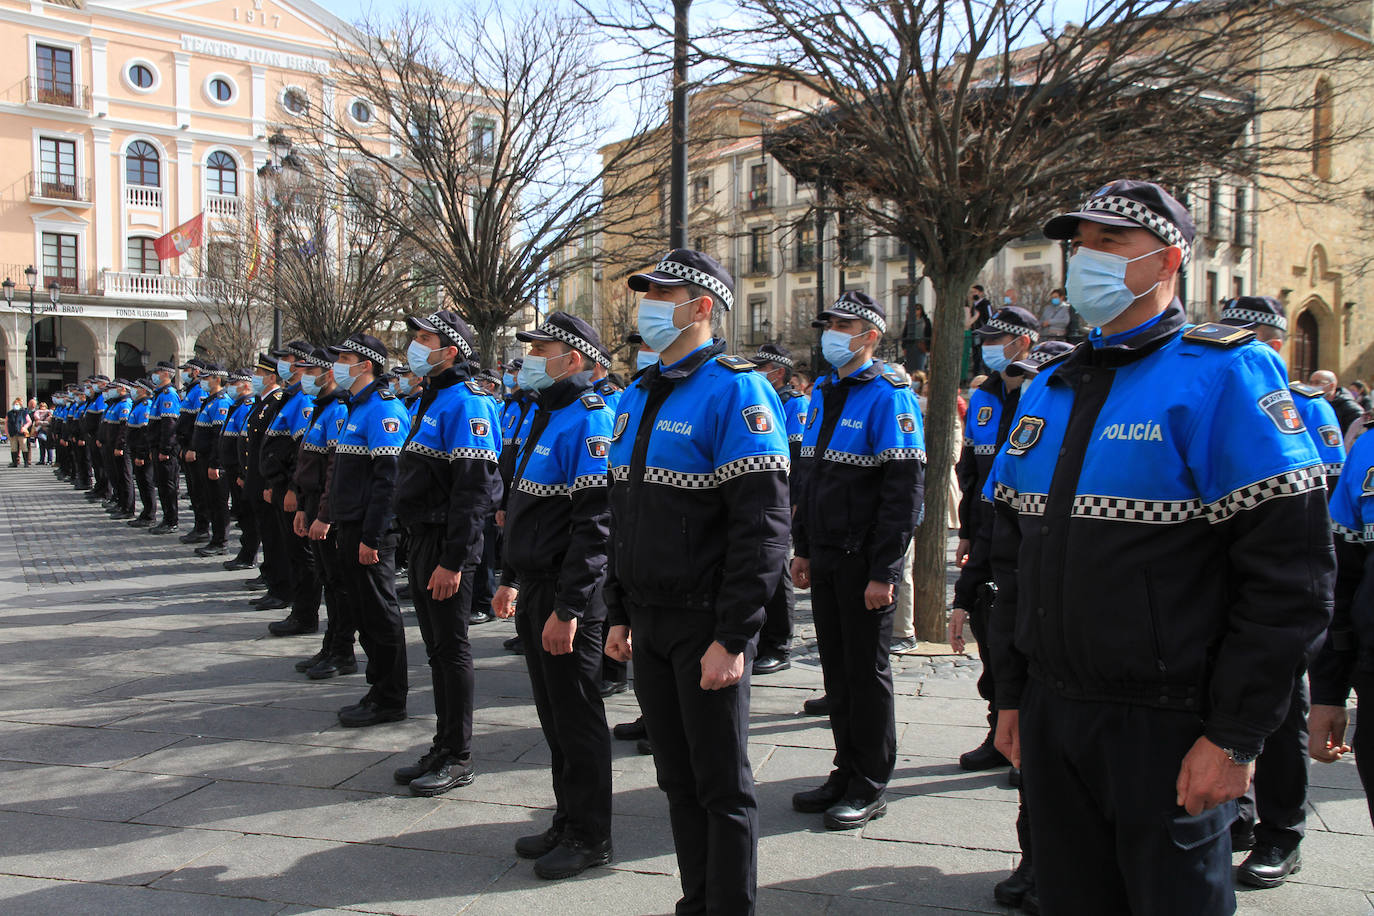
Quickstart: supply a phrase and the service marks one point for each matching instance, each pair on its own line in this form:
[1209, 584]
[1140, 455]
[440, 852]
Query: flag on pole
[181, 239]
[255, 253]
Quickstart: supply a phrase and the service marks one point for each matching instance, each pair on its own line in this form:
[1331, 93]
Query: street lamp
[279, 176]
[31, 277]
[677, 222]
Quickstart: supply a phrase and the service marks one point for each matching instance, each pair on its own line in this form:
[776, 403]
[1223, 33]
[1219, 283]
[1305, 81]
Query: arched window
[142, 257]
[1306, 347]
[1323, 114]
[222, 174]
[142, 165]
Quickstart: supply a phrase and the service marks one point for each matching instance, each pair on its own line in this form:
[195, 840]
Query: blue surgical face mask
[1054, 300]
[994, 358]
[343, 376]
[257, 384]
[835, 347]
[403, 384]
[534, 373]
[310, 385]
[1006, 300]
[283, 369]
[185, 378]
[644, 359]
[655, 322]
[509, 380]
[417, 358]
[1097, 284]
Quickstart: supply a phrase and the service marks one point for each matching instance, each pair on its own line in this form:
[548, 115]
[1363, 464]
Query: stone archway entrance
[1306, 346]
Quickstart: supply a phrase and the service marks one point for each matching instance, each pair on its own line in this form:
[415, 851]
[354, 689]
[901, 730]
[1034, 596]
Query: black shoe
[477, 618]
[141, 523]
[271, 602]
[404, 775]
[820, 706]
[210, 550]
[644, 747]
[291, 625]
[571, 857]
[815, 801]
[120, 516]
[514, 645]
[983, 757]
[611, 688]
[369, 713]
[354, 707]
[1010, 891]
[164, 528]
[539, 844]
[771, 664]
[1242, 836]
[333, 666]
[254, 584]
[236, 564]
[82, 486]
[1030, 904]
[1014, 777]
[1269, 866]
[853, 812]
[306, 664]
[195, 536]
[448, 774]
[630, 731]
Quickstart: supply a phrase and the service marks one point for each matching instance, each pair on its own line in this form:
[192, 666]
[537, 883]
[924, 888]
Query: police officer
[1160, 550]
[557, 522]
[204, 459]
[230, 464]
[276, 576]
[1278, 794]
[162, 445]
[76, 433]
[90, 438]
[860, 480]
[361, 489]
[699, 518]
[516, 416]
[277, 463]
[447, 484]
[140, 455]
[192, 372]
[115, 431]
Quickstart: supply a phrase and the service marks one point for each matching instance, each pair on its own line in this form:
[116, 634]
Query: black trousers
[275, 570]
[567, 696]
[484, 577]
[165, 474]
[216, 497]
[612, 669]
[444, 628]
[121, 473]
[340, 628]
[853, 643]
[380, 629]
[195, 493]
[776, 636]
[143, 482]
[1109, 837]
[241, 510]
[699, 739]
[978, 623]
[300, 559]
[1363, 742]
[81, 466]
[101, 482]
[1279, 793]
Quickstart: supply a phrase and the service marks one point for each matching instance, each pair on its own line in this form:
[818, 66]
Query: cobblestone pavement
[158, 754]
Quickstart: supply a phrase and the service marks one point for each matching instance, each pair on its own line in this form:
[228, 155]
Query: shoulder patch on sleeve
[1278, 406]
[1219, 335]
[592, 401]
[735, 363]
[391, 424]
[1307, 391]
[895, 378]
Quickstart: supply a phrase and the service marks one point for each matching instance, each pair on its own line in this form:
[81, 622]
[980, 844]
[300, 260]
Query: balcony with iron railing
[138, 195]
[69, 280]
[46, 187]
[62, 93]
[159, 286]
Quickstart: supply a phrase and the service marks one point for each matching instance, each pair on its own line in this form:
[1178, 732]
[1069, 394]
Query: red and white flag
[181, 239]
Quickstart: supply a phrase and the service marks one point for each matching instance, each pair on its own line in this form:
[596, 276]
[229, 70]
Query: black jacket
[975, 514]
[310, 478]
[1346, 408]
[265, 410]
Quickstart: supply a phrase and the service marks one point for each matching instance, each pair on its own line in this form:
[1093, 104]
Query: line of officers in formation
[1148, 562]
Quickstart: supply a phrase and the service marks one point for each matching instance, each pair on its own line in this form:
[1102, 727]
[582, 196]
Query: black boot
[540, 844]
[983, 757]
[571, 857]
[1012, 890]
[447, 774]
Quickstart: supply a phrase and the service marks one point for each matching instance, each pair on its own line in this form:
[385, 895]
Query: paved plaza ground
[158, 754]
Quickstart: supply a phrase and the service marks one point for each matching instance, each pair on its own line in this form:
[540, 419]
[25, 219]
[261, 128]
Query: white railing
[161, 286]
[223, 206]
[138, 195]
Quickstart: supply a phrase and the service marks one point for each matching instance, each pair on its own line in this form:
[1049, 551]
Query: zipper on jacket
[1154, 622]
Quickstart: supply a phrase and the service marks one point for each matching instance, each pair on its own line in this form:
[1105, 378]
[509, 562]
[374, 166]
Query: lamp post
[677, 224]
[278, 176]
[31, 277]
[8, 286]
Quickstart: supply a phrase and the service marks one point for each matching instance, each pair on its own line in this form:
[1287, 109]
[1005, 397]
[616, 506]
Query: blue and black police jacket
[281, 443]
[1161, 536]
[210, 420]
[364, 474]
[137, 422]
[448, 475]
[162, 421]
[557, 517]
[1327, 436]
[231, 436]
[609, 393]
[516, 416]
[190, 409]
[699, 503]
[862, 471]
[91, 415]
[991, 408]
[311, 475]
[116, 416]
[1349, 645]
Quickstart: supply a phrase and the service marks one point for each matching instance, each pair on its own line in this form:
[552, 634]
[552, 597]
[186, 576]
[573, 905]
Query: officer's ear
[1173, 261]
[703, 307]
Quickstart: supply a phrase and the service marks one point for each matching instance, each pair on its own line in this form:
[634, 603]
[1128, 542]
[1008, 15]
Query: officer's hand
[878, 595]
[503, 602]
[801, 573]
[267, 495]
[138, 462]
[288, 502]
[619, 646]
[162, 457]
[1208, 778]
[558, 635]
[961, 552]
[1008, 739]
[720, 667]
[119, 453]
[239, 481]
[319, 530]
[443, 583]
[189, 456]
[213, 473]
[1326, 727]
[299, 525]
[956, 629]
[367, 556]
[500, 518]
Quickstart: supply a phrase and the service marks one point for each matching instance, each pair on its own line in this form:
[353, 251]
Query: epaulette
[474, 387]
[895, 378]
[735, 363]
[592, 401]
[1219, 335]
[276, 394]
[1307, 391]
[386, 394]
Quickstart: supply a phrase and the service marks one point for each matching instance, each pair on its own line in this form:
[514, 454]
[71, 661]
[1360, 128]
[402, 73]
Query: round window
[295, 101]
[360, 111]
[220, 90]
[141, 76]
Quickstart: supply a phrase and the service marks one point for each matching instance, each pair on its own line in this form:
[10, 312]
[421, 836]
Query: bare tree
[958, 127]
[240, 310]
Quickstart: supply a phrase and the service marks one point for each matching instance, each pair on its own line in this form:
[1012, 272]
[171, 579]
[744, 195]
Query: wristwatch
[1240, 758]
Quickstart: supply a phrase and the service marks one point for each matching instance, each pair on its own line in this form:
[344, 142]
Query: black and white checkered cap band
[317, 362]
[303, 355]
[858, 311]
[1139, 213]
[452, 334]
[580, 344]
[775, 358]
[700, 278]
[1250, 316]
[216, 373]
[1016, 330]
[361, 350]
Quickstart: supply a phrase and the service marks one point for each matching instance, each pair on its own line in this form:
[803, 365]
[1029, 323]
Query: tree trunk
[932, 538]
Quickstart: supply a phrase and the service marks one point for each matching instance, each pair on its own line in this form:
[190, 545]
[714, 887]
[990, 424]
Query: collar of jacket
[684, 367]
[866, 374]
[366, 393]
[332, 395]
[1133, 348]
[564, 391]
[449, 377]
[995, 386]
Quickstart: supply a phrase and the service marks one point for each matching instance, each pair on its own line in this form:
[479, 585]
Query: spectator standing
[1055, 317]
[42, 431]
[18, 423]
[1347, 411]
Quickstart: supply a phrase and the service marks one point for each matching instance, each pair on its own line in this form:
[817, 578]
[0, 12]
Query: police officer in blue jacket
[1161, 551]
[446, 486]
[1346, 658]
[115, 431]
[137, 449]
[699, 519]
[360, 496]
[268, 398]
[203, 455]
[231, 466]
[191, 400]
[1278, 794]
[162, 444]
[90, 431]
[860, 480]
